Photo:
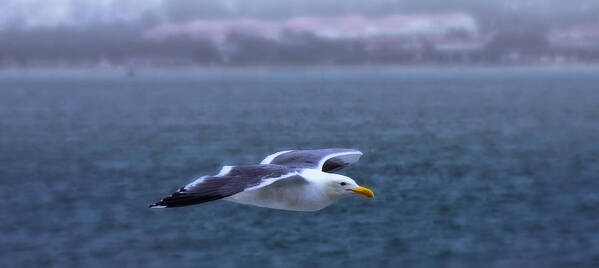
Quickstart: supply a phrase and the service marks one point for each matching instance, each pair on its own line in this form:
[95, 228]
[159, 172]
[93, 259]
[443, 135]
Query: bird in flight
[299, 180]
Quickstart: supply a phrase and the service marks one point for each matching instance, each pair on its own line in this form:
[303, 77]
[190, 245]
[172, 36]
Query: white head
[340, 186]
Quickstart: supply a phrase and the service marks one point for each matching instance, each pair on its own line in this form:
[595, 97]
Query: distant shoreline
[285, 68]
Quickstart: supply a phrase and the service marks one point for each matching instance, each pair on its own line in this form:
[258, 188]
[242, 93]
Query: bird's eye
[343, 183]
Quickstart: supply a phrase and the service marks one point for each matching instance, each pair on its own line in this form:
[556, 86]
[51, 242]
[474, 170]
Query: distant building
[575, 37]
[347, 27]
[340, 39]
[575, 43]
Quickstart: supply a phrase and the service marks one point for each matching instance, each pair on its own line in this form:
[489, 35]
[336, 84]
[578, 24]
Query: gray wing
[327, 160]
[229, 181]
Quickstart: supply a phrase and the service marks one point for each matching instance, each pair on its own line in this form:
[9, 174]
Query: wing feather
[327, 160]
[230, 180]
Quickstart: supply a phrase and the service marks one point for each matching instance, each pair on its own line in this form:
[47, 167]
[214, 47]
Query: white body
[312, 194]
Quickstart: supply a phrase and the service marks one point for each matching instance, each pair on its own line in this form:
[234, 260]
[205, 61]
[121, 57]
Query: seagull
[297, 180]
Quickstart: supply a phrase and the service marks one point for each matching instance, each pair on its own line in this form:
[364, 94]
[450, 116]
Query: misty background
[67, 33]
[478, 121]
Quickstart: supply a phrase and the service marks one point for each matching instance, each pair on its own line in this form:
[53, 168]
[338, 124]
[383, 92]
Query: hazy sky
[68, 12]
[35, 13]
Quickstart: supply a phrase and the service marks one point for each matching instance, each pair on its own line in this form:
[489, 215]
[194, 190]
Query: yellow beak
[363, 191]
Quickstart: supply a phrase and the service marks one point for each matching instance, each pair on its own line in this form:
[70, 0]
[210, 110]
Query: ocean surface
[494, 167]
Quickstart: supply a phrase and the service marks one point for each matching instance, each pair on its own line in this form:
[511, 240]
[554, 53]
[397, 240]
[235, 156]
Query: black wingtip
[157, 205]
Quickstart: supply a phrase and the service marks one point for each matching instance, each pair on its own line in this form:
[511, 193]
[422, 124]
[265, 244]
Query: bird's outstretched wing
[229, 181]
[327, 160]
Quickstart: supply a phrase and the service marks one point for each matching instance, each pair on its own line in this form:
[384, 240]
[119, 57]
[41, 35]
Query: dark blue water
[488, 167]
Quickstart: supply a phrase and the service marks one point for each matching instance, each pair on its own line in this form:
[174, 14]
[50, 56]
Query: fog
[269, 32]
[477, 119]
